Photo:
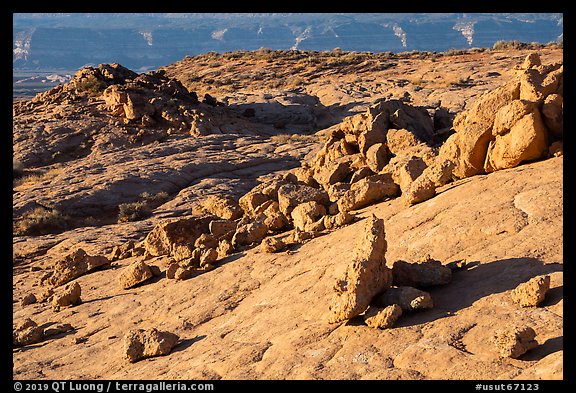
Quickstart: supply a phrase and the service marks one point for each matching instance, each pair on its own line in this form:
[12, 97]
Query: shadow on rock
[471, 285]
[544, 349]
[185, 344]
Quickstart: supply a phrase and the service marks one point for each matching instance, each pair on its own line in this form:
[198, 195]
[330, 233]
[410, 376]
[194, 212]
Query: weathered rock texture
[74, 265]
[382, 318]
[532, 292]
[140, 344]
[515, 342]
[134, 274]
[69, 295]
[366, 275]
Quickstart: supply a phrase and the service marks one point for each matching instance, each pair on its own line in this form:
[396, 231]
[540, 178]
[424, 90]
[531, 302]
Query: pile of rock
[388, 151]
[518, 122]
[379, 293]
[373, 155]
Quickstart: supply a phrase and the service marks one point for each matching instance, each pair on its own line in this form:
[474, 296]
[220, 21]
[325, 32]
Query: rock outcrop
[504, 127]
[365, 276]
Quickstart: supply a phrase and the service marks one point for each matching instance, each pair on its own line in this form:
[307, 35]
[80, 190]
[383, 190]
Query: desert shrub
[40, 221]
[37, 176]
[141, 209]
[154, 200]
[90, 86]
[133, 211]
[506, 45]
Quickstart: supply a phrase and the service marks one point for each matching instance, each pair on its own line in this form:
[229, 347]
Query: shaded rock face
[365, 276]
[532, 292]
[140, 344]
[74, 265]
[420, 274]
[408, 298]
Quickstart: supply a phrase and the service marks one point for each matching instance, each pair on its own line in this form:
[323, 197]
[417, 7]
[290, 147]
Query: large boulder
[134, 274]
[366, 276]
[333, 172]
[526, 141]
[250, 233]
[468, 146]
[553, 114]
[377, 157]
[424, 187]
[166, 237]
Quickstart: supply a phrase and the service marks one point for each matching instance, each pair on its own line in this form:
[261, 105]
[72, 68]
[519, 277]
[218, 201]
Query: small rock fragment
[382, 318]
[271, 245]
[532, 292]
[28, 299]
[140, 344]
[515, 342]
[134, 274]
[68, 296]
[28, 332]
